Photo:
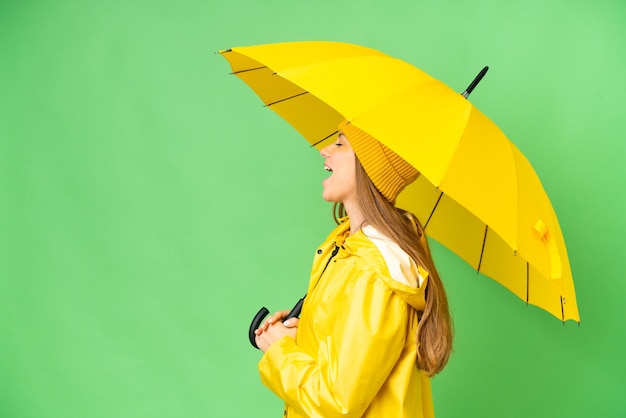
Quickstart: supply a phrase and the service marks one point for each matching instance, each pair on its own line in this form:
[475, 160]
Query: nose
[324, 152]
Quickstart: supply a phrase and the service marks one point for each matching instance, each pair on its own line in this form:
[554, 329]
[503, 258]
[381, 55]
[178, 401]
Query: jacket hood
[362, 245]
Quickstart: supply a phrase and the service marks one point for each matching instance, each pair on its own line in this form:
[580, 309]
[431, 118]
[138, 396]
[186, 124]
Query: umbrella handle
[256, 323]
[258, 318]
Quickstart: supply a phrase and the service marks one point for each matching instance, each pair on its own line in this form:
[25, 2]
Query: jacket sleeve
[352, 363]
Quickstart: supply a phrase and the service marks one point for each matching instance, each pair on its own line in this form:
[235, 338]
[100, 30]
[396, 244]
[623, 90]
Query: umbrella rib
[249, 69]
[433, 211]
[324, 139]
[527, 281]
[482, 250]
[287, 98]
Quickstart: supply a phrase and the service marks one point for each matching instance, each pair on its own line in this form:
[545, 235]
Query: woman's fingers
[291, 323]
[273, 318]
[276, 317]
[261, 343]
[273, 333]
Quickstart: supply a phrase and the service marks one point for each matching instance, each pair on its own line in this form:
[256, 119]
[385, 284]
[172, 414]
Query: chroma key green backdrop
[149, 204]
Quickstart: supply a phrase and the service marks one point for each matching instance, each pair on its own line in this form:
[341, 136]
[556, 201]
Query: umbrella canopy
[477, 195]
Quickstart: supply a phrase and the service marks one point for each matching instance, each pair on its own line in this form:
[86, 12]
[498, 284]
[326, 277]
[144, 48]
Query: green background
[149, 204]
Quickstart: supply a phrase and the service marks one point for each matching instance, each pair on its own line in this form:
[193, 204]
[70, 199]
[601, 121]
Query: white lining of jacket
[401, 266]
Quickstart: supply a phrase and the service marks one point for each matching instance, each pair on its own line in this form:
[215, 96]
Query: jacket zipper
[332, 255]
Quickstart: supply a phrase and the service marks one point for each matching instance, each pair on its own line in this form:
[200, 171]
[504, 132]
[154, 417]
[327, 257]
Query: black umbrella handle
[256, 323]
[295, 311]
[260, 316]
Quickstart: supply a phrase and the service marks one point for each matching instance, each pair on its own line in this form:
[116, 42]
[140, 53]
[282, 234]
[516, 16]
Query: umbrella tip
[474, 83]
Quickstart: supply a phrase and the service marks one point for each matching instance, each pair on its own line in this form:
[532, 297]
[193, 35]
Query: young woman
[375, 325]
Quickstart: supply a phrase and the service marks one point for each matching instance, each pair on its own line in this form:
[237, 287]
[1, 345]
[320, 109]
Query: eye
[339, 142]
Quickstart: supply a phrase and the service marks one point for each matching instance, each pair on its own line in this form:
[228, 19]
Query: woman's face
[340, 161]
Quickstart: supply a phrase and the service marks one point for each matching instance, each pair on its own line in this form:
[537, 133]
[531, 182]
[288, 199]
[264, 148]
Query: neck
[356, 217]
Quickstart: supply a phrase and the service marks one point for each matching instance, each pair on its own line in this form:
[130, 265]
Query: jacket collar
[354, 243]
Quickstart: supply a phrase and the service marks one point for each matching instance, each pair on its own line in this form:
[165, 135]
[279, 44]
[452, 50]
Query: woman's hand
[273, 330]
[277, 316]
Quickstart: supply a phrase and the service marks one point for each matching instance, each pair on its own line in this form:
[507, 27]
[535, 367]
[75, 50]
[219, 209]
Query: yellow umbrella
[477, 195]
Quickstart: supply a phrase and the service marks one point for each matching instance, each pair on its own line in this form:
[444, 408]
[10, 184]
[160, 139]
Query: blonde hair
[435, 330]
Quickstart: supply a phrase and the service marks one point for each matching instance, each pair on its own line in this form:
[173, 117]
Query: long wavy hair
[435, 331]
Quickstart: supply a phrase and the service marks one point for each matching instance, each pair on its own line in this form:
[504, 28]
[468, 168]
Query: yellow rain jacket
[355, 350]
